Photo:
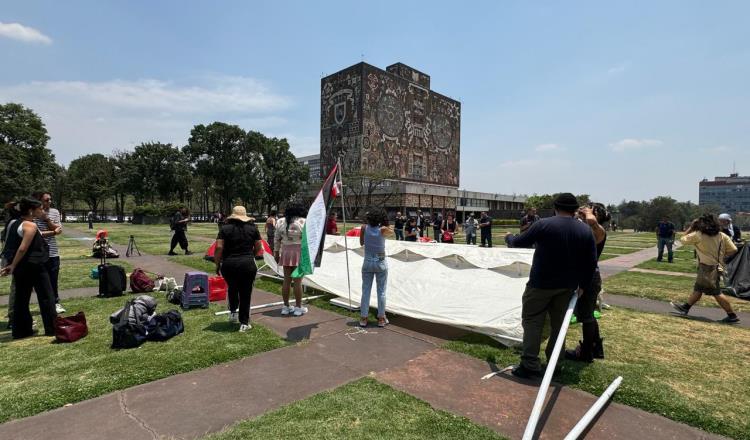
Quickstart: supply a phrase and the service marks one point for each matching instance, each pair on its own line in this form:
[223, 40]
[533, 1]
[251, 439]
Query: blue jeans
[373, 267]
[668, 243]
[399, 234]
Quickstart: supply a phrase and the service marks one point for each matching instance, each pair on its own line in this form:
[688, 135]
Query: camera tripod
[132, 248]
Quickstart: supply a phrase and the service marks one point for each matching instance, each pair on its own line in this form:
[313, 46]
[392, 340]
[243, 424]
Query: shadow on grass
[222, 327]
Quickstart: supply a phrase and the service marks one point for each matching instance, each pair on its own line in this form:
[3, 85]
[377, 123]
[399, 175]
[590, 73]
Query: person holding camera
[595, 215]
[712, 248]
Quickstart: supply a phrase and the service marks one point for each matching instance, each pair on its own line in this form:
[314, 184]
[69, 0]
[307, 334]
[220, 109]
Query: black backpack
[126, 334]
[112, 280]
[165, 326]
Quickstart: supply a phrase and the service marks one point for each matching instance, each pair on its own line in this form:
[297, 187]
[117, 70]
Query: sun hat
[566, 202]
[239, 213]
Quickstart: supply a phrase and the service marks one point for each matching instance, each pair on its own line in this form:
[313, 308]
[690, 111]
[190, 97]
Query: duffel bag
[71, 328]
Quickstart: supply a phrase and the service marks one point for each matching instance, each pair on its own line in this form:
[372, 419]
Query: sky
[627, 100]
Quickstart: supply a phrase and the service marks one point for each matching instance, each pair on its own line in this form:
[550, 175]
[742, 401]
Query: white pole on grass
[346, 244]
[536, 410]
[594, 410]
[273, 304]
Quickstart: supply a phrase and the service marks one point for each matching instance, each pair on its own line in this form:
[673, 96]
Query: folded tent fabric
[737, 276]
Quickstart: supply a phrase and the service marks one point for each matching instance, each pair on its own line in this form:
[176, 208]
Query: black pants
[585, 314]
[436, 231]
[53, 268]
[179, 237]
[487, 238]
[239, 273]
[30, 276]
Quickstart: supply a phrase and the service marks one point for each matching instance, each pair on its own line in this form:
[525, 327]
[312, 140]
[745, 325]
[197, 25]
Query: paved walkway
[662, 272]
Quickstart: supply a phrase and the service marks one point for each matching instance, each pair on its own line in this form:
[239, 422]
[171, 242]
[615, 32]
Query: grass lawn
[663, 288]
[365, 409]
[688, 371]
[37, 374]
[151, 239]
[75, 266]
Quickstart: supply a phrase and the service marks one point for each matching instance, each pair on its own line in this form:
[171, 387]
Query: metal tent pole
[536, 410]
[346, 244]
[594, 410]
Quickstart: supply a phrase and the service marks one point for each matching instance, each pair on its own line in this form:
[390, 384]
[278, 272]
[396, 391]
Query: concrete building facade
[730, 193]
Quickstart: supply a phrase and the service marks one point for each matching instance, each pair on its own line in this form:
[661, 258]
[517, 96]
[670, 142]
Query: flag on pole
[313, 233]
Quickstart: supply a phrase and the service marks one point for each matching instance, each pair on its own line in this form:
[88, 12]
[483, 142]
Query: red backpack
[140, 282]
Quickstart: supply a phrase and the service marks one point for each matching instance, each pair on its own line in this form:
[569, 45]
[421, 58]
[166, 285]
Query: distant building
[313, 163]
[731, 193]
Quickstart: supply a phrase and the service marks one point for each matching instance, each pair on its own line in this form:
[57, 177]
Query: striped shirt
[54, 217]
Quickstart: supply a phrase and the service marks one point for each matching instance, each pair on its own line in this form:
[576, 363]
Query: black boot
[580, 354]
[598, 349]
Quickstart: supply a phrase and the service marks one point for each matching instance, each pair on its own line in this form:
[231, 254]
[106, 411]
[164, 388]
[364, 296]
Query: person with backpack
[712, 248]
[178, 224]
[236, 246]
[28, 267]
[374, 265]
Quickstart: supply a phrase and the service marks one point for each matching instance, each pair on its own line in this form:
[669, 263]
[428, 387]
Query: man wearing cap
[727, 227]
[564, 262]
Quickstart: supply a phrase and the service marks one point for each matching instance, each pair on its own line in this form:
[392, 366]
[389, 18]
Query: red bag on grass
[217, 289]
[71, 328]
[140, 282]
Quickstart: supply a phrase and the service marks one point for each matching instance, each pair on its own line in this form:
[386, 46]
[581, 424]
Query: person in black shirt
[448, 229]
[528, 219]
[236, 246]
[564, 262]
[399, 226]
[411, 231]
[727, 227]
[485, 229]
[665, 237]
[591, 346]
[179, 222]
[421, 223]
[437, 221]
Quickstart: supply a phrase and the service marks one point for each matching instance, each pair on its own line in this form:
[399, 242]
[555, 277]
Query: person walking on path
[411, 230]
[712, 247]
[50, 221]
[528, 219]
[448, 229]
[287, 254]
[374, 265]
[271, 229]
[236, 246]
[470, 229]
[732, 230]
[29, 271]
[665, 237]
[485, 228]
[591, 346]
[399, 224]
[564, 262]
[179, 223]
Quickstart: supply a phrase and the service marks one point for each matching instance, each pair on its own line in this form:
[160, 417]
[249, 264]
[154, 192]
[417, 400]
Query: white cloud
[634, 144]
[85, 117]
[548, 147]
[615, 70]
[17, 31]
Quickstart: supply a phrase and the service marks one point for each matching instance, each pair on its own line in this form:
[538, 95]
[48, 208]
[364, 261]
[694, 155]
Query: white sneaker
[233, 317]
[299, 311]
[286, 310]
[244, 328]
[59, 308]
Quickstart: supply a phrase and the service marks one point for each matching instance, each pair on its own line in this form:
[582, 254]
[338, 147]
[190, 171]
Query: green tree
[91, 179]
[281, 175]
[26, 164]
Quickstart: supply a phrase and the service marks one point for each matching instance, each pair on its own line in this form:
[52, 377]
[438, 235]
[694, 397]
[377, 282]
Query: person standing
[287, 254]
[528, 219]
[421, 224]
[236, 246]
[470, 229]
[437, 223]
[271, 229]
[485, 228]
[50, 221]
[712, 248]
[665, 237]
[90, 218]
[563, 262]
[29, 271]
[374, 265]
[399, 224]
[727, 227]
[591, 346]
[331, 227]
[411, 230]
[179, 223]
[448, 229]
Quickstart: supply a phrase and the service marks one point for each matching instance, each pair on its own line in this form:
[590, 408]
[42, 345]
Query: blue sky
[621, 101]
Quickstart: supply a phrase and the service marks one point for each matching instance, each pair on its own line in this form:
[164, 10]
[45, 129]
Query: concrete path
[662, 272]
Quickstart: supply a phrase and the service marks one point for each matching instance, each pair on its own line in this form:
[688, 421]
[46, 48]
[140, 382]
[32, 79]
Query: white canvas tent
[463, 286]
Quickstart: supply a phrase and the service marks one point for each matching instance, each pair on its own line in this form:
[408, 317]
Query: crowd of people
[444, 230]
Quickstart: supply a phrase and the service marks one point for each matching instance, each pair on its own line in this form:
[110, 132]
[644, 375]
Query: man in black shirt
[564, 262]
[665, 237]
[528, 219]
[179, 223]
[485, 229]
[437, 221]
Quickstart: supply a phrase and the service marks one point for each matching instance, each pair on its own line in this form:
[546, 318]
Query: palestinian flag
[313, 233]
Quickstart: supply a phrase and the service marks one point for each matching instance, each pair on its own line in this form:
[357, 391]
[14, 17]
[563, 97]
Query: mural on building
[403, 126]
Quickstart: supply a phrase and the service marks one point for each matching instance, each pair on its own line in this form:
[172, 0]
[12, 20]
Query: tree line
[220, 165]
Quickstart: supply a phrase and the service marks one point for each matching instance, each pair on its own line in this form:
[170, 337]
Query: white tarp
[463, 286]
